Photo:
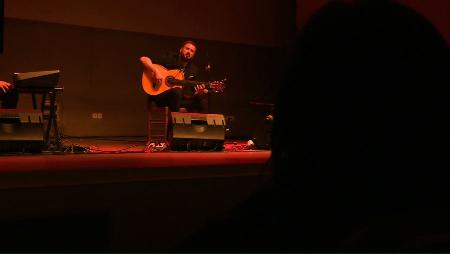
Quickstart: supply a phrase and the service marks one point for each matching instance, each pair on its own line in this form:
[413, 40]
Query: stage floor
[126, 159]
[116, 145]
[109, 195]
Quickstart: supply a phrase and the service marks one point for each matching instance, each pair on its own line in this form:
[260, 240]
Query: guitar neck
[187, 82]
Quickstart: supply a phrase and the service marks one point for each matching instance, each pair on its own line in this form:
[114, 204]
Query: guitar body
[172, 79]
[152, 87]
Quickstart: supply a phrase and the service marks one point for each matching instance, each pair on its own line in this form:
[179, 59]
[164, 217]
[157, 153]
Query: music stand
[44, 83]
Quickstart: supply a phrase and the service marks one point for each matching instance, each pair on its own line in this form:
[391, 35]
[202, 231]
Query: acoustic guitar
[173, 79]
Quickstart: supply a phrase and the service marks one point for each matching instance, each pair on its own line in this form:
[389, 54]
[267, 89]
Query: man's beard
[186, 57]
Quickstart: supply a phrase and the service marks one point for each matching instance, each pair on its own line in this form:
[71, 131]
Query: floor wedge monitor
[192, 131]
[21, 131]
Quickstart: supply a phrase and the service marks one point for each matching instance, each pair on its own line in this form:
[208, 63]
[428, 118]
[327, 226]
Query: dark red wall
[436, 11]
[254, 22]
[97, 44]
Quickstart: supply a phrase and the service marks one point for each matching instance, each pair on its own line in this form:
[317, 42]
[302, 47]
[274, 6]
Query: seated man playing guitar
[170, 82]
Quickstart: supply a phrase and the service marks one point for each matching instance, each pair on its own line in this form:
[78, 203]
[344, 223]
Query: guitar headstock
[217, 86]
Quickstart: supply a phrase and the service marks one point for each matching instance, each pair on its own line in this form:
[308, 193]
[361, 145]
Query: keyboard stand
[51, 121]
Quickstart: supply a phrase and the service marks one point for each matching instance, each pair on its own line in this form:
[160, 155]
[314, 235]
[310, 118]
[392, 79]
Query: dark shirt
[10, 99]
[172, 61]
[186, 98]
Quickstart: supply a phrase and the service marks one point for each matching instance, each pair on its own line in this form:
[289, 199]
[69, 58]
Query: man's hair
[190, 42]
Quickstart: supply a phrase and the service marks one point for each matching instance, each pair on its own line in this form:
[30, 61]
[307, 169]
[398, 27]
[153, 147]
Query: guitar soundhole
[170, 81]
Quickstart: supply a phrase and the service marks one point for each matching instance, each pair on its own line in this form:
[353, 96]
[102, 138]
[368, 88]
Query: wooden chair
[159, 129]
[158, 119]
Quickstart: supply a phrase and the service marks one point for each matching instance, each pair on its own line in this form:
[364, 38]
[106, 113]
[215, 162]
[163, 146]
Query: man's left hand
[5, 87]
[201, 89]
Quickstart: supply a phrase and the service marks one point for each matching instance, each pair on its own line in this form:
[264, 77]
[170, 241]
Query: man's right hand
[157, 78]
[5, 87]
[147, 62]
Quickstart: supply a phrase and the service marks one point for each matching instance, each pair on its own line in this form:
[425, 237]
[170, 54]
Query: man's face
[188, 51]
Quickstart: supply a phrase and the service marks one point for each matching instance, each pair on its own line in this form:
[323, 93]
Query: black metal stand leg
[57, 134]
[44, 96]
[33, 98]
[52, 123]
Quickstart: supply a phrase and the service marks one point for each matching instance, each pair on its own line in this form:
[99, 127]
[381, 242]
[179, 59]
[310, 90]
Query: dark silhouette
[9, 96]
[366, 168]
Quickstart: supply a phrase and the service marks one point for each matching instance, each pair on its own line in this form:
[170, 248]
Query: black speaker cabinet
[21, 131]
[192, 131]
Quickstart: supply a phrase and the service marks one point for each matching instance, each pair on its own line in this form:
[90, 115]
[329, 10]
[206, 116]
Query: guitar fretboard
[173, 81]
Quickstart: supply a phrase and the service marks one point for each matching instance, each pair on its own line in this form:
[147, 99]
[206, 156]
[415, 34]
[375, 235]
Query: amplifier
[21, 131]
[192, 131]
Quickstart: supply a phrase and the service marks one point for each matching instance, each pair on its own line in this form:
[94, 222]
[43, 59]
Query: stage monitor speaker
[21, 131]
[192, 131]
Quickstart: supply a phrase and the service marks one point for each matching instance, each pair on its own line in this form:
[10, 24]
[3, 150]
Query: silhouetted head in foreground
[361, 130]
